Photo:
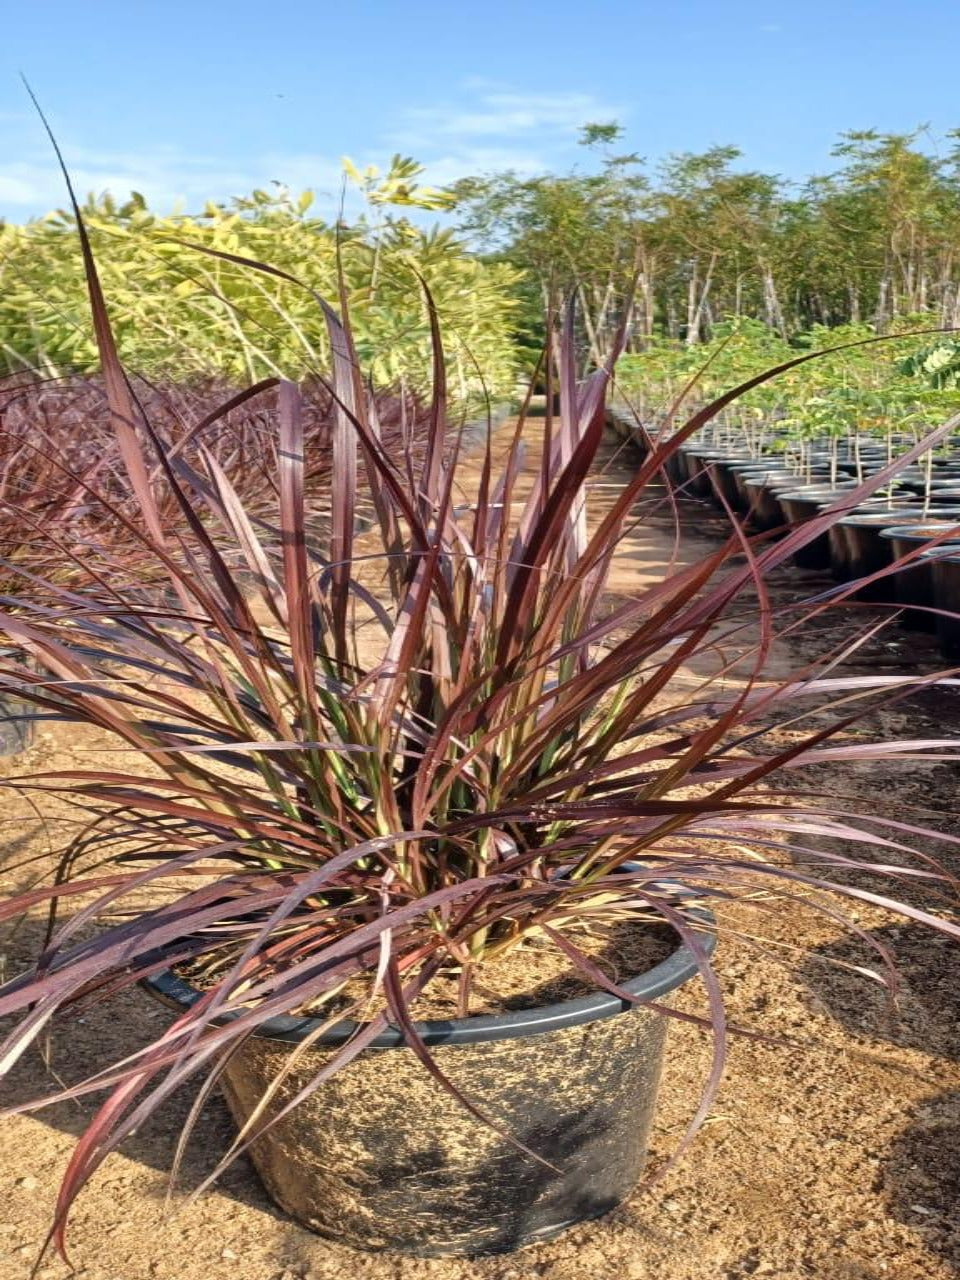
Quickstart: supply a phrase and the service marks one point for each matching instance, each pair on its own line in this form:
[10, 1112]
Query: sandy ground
[833, 1152]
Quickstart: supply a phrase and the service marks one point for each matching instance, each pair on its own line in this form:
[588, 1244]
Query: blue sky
[207, 99]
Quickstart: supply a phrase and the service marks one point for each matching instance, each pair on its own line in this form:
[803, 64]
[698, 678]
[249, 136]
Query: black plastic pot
[382, 1157]
[945, 571]
[675, 467]
[921, 486]
[700, 471]
[857, 550]
[724, 480]
[913, 583]
[17, 718]
[769, 474]
[800, 505]
[763, 501]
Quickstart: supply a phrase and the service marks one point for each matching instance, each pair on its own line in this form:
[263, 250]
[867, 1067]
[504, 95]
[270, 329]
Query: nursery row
[899, 545]
[891, 389]
[64, 491]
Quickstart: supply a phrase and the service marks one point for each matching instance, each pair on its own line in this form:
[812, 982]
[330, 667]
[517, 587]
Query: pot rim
[894, 517]
[916, 532]
[815, 493]
[679, 967]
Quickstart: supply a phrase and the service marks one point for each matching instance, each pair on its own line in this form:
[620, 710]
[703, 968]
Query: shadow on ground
[93, 1038]
[920, 1175]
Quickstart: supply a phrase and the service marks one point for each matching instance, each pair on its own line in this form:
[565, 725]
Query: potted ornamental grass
[418, 839]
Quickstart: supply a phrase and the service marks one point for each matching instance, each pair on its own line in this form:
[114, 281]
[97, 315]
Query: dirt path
[836, 1158]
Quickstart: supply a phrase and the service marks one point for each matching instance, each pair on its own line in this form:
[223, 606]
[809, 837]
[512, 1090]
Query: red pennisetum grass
[60, 467]
[406, 758]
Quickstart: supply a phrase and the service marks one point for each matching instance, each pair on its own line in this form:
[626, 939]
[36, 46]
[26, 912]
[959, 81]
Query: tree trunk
[773, 312]
[854, 295]
[692, 303]
[695, 320]
[882, 312]
[596, 355]
[673, 325]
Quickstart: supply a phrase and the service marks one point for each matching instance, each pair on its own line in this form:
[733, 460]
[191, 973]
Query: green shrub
[167, 299]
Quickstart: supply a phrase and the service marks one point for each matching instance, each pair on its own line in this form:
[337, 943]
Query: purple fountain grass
[410, 752]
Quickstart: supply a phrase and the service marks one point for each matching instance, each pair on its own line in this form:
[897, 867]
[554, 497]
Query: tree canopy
[706, 239]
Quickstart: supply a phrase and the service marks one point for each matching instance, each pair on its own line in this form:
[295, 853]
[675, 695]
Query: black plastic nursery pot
[686, 467]
[17, 721]
[723, 481]
[858, 551]
[763, 501]
[745, 477]
[728, 476]
[945, 571]
[801, 505]
[381, 1156]
[700, 481]
[920, 482]
[855, 542]
[676, 467]
[913, 583]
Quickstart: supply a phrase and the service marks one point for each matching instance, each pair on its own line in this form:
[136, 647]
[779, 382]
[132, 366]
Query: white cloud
[18, 188]
[444, 169]
[165, 176]
[496, 127]
[506, 114]
[490, 127]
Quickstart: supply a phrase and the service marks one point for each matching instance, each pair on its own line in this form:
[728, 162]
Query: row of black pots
[911, 512]
[696, 464]
[927, 587]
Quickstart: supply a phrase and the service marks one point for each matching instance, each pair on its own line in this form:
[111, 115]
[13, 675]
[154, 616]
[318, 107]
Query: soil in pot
[383, 1157]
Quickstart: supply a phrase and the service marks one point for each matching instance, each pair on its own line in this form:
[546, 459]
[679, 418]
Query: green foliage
[937, 365]
[903, 386]
[569, 235]
[874, 241]
[398, 186]
[169, 301]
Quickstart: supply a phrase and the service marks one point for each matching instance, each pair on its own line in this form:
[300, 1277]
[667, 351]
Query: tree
[575, 235]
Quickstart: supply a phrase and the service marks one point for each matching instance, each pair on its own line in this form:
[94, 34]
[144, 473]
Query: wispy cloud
[500, 114]
[485, 127]
[493, 126]
[166, 176]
